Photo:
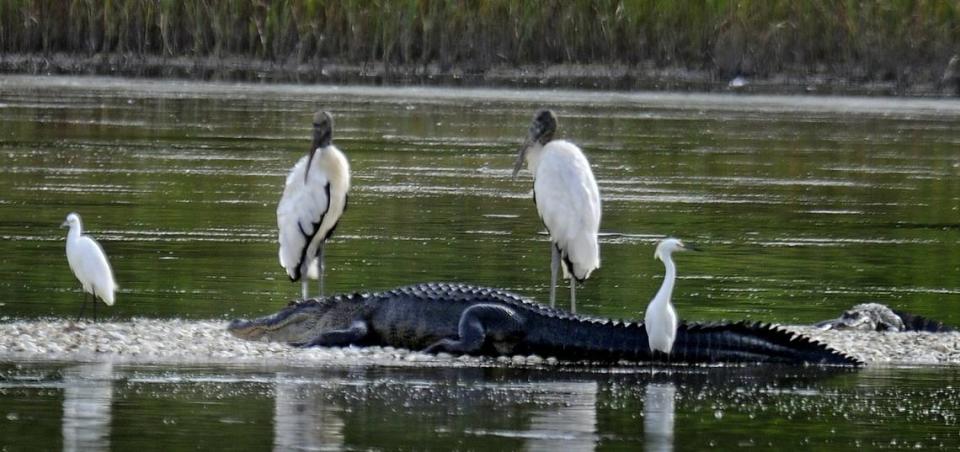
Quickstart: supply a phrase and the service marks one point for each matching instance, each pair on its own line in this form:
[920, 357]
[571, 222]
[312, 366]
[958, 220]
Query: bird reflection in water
[87, 400]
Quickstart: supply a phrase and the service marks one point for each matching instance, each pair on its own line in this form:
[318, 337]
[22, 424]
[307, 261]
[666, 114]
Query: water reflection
[87, 399]
[303, 419]
[570, 423]
[658, 410]
[121, 407]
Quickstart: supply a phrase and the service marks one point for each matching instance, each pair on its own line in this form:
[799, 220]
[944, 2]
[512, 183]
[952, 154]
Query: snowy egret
[738, 82]
[951, 75]
[660, 320]
[313, 200]
[89, 264]
[567, 200]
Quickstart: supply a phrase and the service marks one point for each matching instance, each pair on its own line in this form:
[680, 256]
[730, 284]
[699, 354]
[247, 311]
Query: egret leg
[94, 309]
[83, 307]
[573, 294]
[321, 268]
[554, 269]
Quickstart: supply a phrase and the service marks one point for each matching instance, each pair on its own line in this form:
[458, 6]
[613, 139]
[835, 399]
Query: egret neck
[666, 289]
[74, 231]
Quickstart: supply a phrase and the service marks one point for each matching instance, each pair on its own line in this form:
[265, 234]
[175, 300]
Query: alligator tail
[751, 342]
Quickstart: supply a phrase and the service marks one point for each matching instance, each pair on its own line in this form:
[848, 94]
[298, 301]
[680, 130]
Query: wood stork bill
[313, 200]
[89, 264]
[660, 320]
[567, 200]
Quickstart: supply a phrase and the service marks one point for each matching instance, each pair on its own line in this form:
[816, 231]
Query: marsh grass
[869, 40]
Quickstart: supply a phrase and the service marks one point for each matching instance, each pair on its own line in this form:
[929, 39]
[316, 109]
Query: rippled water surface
[101, 406]
[803, 207]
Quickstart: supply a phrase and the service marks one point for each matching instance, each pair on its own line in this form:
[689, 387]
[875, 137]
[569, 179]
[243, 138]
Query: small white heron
[660, 320]
[567, 199]
[951, 75]
[89, 264]
[313, 200]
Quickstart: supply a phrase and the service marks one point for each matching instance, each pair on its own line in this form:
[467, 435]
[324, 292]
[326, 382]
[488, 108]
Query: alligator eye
[292, 303]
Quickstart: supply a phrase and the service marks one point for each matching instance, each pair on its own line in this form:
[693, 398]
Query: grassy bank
[901, 41]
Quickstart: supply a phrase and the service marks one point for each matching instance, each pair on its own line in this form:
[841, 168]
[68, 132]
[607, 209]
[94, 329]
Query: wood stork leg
[83, 307]
[554, 269]
[320, 267]
[573, 294]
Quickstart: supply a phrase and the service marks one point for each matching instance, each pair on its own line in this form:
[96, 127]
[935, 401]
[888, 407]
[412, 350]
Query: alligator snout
[243, 329]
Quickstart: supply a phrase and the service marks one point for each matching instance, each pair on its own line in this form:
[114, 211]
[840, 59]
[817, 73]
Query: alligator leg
[339, 338]
[480, 324]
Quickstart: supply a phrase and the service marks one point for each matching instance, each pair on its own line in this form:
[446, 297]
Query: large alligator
[462, 319]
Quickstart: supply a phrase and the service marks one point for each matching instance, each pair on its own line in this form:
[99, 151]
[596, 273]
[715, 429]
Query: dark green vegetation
[463, 319]
[632, 41]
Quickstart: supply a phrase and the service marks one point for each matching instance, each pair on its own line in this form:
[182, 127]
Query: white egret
[89, 264]
[567, 199]
[951, 75]
[660, 320]
[313, 200]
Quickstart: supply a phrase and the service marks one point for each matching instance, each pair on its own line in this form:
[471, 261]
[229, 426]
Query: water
[100, 406]
[803, 206]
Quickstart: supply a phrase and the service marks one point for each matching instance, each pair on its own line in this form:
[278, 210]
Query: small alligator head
[865, 317]
[299, 322]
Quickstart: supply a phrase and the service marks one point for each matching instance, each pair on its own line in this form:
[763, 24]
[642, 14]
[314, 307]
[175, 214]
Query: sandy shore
[182, 341]
[578, 76]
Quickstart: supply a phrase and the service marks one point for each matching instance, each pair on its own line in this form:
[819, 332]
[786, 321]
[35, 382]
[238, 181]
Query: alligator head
[865, 317]
[299, 322]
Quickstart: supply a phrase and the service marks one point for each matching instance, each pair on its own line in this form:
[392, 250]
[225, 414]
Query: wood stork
[313, 200]
[89, 264]
[660, 320]
[567, 200]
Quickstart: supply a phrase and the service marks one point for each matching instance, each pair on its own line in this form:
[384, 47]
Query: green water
[103, 406]
[803, 207]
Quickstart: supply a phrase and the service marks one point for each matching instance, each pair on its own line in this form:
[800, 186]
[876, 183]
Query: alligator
[463, 319]
[878, 317]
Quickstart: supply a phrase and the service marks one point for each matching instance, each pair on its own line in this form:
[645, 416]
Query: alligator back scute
[445, 292]
[553, 332]
[751, 342]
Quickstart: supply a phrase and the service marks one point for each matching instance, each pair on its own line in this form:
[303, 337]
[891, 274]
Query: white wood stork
[89, 264]
[313, 200]
[567, 199]
[660, 319]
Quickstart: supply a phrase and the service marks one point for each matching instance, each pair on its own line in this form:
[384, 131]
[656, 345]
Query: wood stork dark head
[322, 136]
[541, 131]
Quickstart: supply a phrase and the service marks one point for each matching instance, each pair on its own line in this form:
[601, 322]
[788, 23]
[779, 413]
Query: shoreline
[150, 341]
[612, 77]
